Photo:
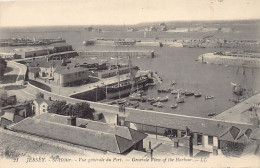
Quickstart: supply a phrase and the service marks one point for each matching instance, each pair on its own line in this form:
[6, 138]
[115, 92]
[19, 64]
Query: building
[82, 132]
[32, 52]
[61, 47]
[54, 50]
[44, 68]
[14, 114]
[70, 77]
[40, 105]
[10, 56]
[208, 134]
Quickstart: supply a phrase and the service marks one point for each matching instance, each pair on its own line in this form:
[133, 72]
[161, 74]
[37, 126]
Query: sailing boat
[240, 89]
[197, 94]
[125, 87]
[179, 98]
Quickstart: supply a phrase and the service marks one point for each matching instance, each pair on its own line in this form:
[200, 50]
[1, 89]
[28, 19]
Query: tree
[83, 110]
[40, 95]
[6, 100]
[26, 77]
[59, 107]
[36, 75]
[231, 148]
[3, 65]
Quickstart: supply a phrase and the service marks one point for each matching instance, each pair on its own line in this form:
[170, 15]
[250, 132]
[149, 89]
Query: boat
[124, 43]
[154, 104]
[151, 84]
[135, 104]
[143, 99]
[162, 99]
[164, 90]
[173, 83]
[123, 101]
[212, 114]
[238, 90]
[197, 94]
[188, 93]
[123, 88]
[179, 99]
[89, 42]
[236, 100]
[159, 105]
[174, 105]
[150, 99]
[174, 91]
[209, 97]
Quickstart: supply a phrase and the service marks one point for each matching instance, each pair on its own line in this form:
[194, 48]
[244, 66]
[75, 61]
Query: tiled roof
[44, 63]
[75, 135]
[195, 124]
[255, 134]
[41, 100]
[124, 132]
[9, 115]
[234, 134]
[34, 69]
[98, 135]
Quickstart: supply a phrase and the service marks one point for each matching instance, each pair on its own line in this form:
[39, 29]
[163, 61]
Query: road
[28, 91]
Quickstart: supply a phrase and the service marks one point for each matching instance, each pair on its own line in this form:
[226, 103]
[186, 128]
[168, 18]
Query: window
[210, 140]
[43, 106]
[43, 110]
[199, 139]
[183, 133]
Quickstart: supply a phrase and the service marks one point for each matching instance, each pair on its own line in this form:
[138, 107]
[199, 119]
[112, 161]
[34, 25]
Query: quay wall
[229, 60]
[116, 53]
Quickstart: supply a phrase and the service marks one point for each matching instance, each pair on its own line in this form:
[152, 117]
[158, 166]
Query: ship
[89, 42]
[123, 88]
[124, 43]
[119, 89]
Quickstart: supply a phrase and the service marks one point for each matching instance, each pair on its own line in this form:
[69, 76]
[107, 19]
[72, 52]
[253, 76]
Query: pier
[117, 53]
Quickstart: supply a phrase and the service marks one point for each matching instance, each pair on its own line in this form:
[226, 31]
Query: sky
[121, 12]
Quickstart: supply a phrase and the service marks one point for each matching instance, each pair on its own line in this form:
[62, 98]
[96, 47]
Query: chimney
[188, 142]
[254, 118]
[72, 121]
[175, 142]
[215, 150]
[150, 150]
[117, 119]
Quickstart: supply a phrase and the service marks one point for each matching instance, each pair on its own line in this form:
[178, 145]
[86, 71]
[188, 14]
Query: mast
[118, 76]
[131, 74]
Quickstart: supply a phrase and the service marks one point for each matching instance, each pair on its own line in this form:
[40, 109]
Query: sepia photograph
[129, 83]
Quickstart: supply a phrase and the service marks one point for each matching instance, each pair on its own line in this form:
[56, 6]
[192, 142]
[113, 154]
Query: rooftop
[44, 63]
[173, 121]
[125, 132]
[234, 113]
[55, 127]
[71, 70]
[41, 100]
